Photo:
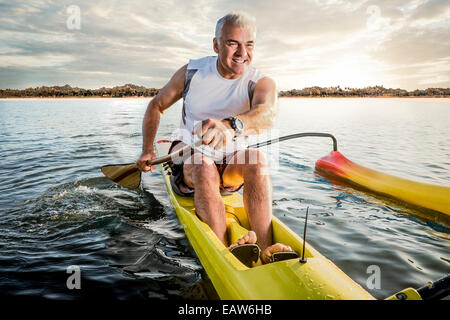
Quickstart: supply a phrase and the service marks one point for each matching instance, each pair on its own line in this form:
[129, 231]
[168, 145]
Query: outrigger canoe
[313, 278]
[316, 279]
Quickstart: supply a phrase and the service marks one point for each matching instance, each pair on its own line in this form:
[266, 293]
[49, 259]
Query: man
[223, 97]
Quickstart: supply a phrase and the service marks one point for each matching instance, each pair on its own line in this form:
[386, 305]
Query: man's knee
[256, 163]
[255, 157]
[199, 168]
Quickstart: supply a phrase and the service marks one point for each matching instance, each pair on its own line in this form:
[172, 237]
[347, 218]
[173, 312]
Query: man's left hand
[214, 133]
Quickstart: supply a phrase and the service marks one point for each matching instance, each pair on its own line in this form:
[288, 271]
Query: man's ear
[216, 45]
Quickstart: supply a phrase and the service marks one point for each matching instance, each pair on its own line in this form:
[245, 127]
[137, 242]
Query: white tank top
[208, 95]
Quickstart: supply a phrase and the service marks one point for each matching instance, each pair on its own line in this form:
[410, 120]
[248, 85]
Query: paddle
[129, 176]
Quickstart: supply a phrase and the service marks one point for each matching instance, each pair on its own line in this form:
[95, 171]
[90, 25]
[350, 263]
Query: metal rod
[303, 259]
[186, 149]
[297, 135]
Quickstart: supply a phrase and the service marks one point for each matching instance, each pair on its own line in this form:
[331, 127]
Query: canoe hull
[317, 279]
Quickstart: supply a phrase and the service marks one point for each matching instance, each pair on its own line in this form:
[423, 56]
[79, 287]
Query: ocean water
[57, 210]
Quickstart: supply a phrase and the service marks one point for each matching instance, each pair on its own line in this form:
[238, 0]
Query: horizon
[139, 85]
[324, 43]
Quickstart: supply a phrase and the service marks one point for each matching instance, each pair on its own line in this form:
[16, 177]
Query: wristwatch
[236, 124]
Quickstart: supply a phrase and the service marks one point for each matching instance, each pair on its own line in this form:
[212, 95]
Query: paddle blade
[125, 175]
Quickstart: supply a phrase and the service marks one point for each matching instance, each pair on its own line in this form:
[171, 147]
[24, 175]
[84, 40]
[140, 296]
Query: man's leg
[250, 167]
[201, 173]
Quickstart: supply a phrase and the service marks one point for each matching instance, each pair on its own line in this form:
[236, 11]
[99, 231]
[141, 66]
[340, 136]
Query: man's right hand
[143, 159]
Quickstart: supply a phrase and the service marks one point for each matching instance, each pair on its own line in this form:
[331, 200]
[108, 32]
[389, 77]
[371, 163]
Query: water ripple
[58, 210]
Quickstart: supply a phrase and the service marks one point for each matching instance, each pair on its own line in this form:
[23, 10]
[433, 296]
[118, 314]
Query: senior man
[224, 99]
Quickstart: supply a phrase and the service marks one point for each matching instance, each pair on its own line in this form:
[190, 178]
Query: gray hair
[239, 18]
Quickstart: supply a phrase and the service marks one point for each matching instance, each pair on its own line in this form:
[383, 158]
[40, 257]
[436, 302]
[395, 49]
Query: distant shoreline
[281, 97]
[366, 97]
[139, 92]
[74, 98]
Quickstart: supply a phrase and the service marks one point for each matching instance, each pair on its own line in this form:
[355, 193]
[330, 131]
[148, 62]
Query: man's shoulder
[266, 79]
[201, 62]
[255, 74]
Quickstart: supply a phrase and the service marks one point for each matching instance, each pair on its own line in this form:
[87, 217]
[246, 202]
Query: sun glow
[355, 72]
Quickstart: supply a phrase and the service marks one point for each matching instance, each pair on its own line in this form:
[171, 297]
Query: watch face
[239, 125]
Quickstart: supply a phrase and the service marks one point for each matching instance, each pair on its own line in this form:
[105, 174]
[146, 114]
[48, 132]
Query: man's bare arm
[262, 113]
[166, 97]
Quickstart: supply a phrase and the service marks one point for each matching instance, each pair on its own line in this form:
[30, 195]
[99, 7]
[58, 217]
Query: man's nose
[241, 51]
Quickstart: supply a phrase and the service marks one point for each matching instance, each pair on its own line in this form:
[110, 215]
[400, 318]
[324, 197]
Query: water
[58, 210]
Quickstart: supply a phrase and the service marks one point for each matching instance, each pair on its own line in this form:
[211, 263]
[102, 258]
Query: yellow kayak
[425, 195]
[317, 279]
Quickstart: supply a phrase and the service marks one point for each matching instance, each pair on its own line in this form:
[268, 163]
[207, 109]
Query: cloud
[299, 43]
[45, 60]
[432, 10]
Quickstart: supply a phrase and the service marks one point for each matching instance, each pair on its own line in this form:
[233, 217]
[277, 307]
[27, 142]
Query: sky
[91, 44]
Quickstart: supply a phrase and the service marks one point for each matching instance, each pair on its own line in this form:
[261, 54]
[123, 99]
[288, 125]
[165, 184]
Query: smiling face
[234, 50]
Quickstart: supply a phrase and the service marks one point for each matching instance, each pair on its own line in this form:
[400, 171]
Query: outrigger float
[424, 195]
[337, 167]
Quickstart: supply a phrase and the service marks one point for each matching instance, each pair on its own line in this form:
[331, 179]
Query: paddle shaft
[125, 174]
[169, 157]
